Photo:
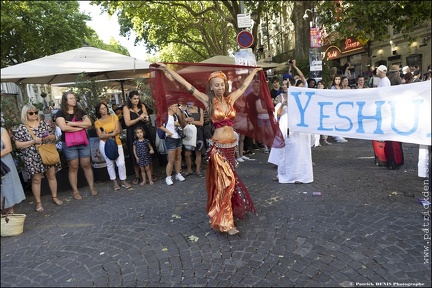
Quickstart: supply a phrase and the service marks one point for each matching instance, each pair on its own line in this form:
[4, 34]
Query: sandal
[128, 186]
[199, 174]
[116, 188]
[40, 209]
[233, 231]
[94, 191]
[154, 178]
[77, 196]
[188, 173]
[57, 201]
[136, 180]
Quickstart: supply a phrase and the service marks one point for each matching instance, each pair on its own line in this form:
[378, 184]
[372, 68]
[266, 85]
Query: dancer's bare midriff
[224, 134]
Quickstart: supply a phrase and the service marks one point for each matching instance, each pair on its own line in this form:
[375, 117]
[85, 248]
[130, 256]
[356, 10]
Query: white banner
[399, 113]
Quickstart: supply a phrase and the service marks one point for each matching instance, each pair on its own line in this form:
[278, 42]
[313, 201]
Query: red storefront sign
[349, 46]
[332, 52]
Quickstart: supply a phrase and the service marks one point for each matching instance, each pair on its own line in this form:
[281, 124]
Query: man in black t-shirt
[276, 89]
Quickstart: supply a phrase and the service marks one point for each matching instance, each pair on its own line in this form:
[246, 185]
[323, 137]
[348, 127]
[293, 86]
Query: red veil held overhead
[167, 91]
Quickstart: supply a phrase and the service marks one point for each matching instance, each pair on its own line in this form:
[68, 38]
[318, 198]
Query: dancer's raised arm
[236, 94]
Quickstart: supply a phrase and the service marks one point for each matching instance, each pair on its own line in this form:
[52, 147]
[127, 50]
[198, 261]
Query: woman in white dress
[294, 161]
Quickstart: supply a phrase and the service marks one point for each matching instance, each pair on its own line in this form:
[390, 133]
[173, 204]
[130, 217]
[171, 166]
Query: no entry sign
[245, 39]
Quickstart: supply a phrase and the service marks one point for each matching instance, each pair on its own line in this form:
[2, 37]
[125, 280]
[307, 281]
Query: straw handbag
[12, 225]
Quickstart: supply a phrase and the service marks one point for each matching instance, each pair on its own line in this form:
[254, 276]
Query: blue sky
[107, 27]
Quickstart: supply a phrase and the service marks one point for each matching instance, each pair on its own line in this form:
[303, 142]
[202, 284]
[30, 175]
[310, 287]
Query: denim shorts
[189, 148]
[263, 123]
[75, 152]
[173, 143]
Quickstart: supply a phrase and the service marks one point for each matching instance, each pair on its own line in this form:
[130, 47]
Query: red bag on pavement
[380, 158]
[394, 154]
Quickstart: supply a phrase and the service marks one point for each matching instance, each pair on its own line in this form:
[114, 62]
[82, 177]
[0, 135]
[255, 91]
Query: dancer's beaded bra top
[221, 118]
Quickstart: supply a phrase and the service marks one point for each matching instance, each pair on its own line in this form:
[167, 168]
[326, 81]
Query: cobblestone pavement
[364, 230]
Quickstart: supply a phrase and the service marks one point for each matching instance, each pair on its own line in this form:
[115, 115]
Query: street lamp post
[306, 17]
[315, 58]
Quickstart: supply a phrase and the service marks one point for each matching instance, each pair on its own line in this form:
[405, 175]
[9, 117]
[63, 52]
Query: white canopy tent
[66, 66]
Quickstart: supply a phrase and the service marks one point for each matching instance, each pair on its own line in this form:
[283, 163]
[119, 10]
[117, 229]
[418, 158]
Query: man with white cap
[392, 149]
[382, 74]
[405, 70]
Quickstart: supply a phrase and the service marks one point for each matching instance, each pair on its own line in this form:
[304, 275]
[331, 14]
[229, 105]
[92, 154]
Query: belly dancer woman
[227, 196]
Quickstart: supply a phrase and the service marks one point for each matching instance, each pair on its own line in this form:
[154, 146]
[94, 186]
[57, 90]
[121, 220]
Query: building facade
[396, 51]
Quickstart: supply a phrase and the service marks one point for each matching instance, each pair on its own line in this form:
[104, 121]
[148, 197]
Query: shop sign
[351, 44]
[332, 52]
[348, 46]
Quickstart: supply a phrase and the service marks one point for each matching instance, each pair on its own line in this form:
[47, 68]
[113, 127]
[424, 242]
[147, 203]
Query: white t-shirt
[374, 81]
[384, 82]
[261, 116]
[171, 127]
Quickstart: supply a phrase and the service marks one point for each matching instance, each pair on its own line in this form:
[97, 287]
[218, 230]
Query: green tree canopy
[33, 29]
[369, 20]
[194, 30]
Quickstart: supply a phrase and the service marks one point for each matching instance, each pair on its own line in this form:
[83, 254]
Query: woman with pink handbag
[73, 121]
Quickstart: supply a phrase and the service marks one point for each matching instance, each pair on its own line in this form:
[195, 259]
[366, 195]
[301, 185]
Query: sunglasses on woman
[31, 113]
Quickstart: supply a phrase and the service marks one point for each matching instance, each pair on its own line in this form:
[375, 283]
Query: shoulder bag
[161, 134]
[48, 152]
[178, 129]
[4, 169]
[190, 131]
[161, 146]
[111, 147]
[76, 138]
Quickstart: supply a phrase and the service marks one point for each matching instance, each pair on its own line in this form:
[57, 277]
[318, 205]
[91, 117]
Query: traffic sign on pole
[245, 39]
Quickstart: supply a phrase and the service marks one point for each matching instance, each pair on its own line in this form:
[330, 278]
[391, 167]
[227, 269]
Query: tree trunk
[302, 28]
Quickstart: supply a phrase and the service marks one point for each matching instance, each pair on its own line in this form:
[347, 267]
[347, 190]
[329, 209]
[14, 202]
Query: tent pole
[122, 89]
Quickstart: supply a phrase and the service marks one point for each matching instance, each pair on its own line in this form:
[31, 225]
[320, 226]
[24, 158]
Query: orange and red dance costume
[227, 196]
